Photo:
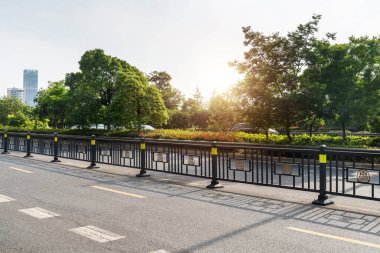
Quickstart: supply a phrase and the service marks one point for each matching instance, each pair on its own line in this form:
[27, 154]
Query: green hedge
[303, 140]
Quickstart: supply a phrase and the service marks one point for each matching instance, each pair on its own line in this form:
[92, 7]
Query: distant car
[273, 131]
[147, 128]
[244, 127]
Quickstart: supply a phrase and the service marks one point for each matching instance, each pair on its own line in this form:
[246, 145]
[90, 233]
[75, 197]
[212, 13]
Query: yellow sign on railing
[28, 137]
[322, 158]
[5, 135]
[214, 151]
[55, 139]
[142, 146]
[93, 142]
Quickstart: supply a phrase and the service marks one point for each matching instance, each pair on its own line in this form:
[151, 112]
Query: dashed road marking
[38, 212]
[96, 234]
[5, 199]
[18, 169]
[160, 251]
[373, 245]
[119, 192]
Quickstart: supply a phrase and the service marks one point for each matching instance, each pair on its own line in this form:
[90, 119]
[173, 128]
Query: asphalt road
[57, 207]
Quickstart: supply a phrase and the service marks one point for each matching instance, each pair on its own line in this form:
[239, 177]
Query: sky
[193, 40]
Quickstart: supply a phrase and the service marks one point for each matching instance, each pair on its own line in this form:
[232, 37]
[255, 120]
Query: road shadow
[354, 221]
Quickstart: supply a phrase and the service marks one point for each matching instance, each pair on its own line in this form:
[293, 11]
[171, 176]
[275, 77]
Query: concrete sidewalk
[301, 197]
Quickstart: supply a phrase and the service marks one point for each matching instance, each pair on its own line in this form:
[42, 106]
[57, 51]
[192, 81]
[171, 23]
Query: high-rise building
[16, 92]
[30, 86]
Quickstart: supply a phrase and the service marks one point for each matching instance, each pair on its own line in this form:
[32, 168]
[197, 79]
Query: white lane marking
[160, 251]
[344, 239]
[96, 234]
[38, 212]
[119, 192]
[25, 171]
[5, 198]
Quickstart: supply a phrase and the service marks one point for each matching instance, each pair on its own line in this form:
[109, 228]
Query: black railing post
[55, 160]
[93, 153]
[214, 168]
[28, 146]
[322, 197]
[5, 141]
[142, 160]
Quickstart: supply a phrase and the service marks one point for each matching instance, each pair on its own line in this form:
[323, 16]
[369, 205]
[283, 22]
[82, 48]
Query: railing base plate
[323, 202]
[142, 175]
[92, 167]
[55, 161]
[28, 156]
[214, 186]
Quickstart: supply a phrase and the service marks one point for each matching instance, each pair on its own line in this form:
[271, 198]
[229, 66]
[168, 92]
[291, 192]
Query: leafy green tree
[194, 111]
[17, 120]
[311, 115]
[179, 119]
[52, 103]
[273, 67]
[172, 97]
[256, 104]
[137, 103]
[36, 124]
[222, 113]
[11, 106]
[110, 91]
[351, 75]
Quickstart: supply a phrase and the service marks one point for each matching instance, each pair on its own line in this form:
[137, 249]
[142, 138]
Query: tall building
[30, 86]
[16, 92]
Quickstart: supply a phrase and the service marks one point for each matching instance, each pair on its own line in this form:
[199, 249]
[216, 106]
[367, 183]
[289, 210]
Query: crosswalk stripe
[38, 212]
[96, 234]
[4, 198]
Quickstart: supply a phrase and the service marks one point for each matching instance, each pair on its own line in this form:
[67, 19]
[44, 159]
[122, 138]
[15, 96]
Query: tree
[273, 67]
[17, 120]
[351, 75]
[172, 97]
[311, 115]
[256, 104]
[137, 103]
[194, 112]
[52, 103]
[12, 106]
[109, 91]
[222, 114]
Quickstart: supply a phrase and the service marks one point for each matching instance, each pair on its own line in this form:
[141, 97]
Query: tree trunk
[288, 134]
[267, 134]
[344, 130]
[311, 131]
[287, 128]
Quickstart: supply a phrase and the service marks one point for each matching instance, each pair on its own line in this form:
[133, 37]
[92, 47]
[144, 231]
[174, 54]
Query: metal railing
[347, 172]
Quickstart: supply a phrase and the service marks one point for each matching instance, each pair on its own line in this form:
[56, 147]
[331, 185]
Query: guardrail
[347, 172]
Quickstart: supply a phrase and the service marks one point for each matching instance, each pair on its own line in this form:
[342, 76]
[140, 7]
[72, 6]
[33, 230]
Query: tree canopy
[109, 91]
